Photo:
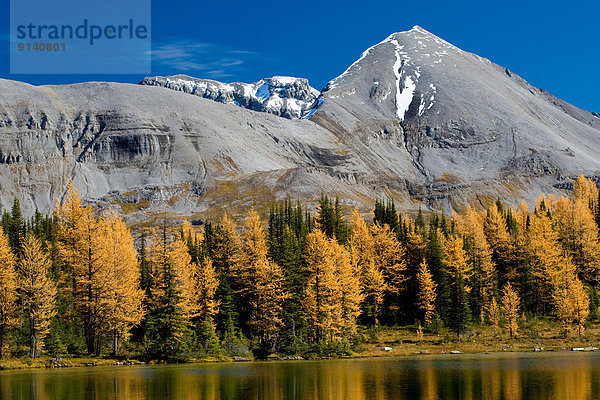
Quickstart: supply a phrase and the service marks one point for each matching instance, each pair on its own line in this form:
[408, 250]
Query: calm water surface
[484, 376]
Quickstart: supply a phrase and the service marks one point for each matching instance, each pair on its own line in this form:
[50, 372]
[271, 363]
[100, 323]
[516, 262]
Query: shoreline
[421, 350]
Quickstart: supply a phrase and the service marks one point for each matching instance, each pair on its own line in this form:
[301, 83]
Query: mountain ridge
[287, 97]
[414, 118]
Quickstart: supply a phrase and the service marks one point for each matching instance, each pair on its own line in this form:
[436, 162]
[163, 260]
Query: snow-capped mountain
[284, 96]
[457, 120]
[414, 118]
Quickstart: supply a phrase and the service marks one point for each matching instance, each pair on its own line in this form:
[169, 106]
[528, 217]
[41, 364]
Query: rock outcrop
[280, 95]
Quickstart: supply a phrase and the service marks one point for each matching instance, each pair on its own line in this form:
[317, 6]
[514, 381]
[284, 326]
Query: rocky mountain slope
[457, 120]
[146, 147]
[414, 118]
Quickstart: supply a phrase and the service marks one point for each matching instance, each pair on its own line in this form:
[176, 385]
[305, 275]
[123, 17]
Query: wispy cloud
[207, 59]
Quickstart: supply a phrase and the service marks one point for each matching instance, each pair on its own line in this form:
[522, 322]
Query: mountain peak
[418, 29]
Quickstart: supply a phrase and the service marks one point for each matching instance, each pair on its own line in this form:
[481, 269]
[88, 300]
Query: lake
[563, 375]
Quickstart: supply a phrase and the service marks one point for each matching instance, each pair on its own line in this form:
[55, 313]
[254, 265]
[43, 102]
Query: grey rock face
[414, 118]
[280, 95]
[140, 146]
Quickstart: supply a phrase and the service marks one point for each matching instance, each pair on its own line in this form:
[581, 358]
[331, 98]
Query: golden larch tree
[390, 259]
[37, 292]
[254, 251]
[207, 282]
[456, 260]
[122, 304]
[460, 270]
[8, 290]
[480, 257]
[578, 233]
[493, 314]
[362, 253]
[511, 304]
[427, 292]
[322, 289]
[169, 257]
[550, 264]
[262, 283]
[181, 262]
[266, 319]
[572, 304]
[585, 189]
[350, 293]
[81, 244]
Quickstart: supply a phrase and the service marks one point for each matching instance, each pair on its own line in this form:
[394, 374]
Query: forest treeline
[75, 283]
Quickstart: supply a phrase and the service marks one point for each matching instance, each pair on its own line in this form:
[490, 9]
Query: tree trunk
[89, 337]
[33, 344]
[115, 343]
[1, 342]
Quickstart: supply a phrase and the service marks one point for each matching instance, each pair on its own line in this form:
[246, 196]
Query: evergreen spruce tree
[17, 227]
[461, 313]
[330, 219]
[434, 259]
[167, 329]
[208, 339]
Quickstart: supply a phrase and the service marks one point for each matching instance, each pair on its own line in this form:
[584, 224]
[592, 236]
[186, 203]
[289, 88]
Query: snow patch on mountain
[405, 90]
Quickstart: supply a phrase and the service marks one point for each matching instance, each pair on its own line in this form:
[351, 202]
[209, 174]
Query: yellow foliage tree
[426, 294]
[333, 291]
[572, 304]
[456, 261]
[585, 189]
[390, 259]
[122, 302]
[511, 304]
[254, 251]
[362, 252]
[262, 283]
[207, 282]
[267, 303]
[494, 315]
[321, 297]
[168, 256]
[350, 295]
[389, 256]
[86, 272]
[549, 263]
[8, 290]
[480, 256]
[578, 233]
[37, 292]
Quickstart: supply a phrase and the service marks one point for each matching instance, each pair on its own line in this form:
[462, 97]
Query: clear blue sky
[553, 44]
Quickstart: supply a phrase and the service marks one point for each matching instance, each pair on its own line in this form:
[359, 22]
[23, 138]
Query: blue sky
[553, 44]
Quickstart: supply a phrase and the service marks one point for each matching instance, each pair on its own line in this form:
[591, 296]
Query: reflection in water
[499, 376]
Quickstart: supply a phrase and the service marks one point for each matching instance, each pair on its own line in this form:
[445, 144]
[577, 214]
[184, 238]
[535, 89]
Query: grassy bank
[75, 362]
[398, 341]
[541, 333]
